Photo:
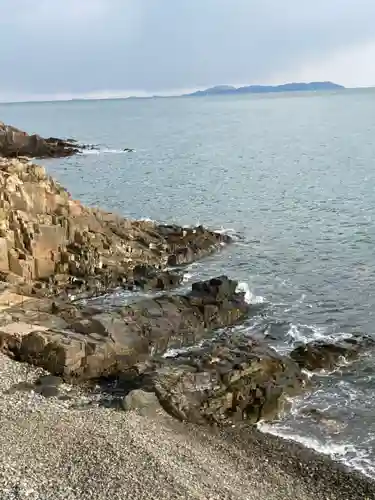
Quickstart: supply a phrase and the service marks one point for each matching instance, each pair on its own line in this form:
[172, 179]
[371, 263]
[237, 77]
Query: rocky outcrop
[84, 343]
[53, 247]
[15, 143]
[50, 243]
[187, 245]
[321, 355]
[225, 380]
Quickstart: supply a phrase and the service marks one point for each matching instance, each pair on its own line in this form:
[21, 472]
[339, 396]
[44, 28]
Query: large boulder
[324, 355]
[15, 142]
[91, 343]
[225, 380]
[141, 401]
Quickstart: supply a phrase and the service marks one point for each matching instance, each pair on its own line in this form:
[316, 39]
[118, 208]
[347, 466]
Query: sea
[292, 178]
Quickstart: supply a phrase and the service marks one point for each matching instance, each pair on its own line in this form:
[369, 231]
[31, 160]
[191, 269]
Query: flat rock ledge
[83, 343]
[178, 347]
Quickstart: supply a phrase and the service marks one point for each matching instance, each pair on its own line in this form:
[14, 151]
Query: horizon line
[172, 94]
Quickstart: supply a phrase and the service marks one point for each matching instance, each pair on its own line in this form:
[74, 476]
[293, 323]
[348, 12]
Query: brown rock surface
[228, 379]
[49, 240]
[15, 143]
[84, 343]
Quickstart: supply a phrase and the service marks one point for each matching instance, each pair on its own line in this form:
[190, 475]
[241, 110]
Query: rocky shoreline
[53, 249]
[16, 143]
[77, 447]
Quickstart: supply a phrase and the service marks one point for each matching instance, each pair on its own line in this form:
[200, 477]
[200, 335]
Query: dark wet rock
[47, 391]
[49, 381]
[16, 143]
[97, 344]
[189, 244]
[322, 355]
[228, 379]
[148, 278]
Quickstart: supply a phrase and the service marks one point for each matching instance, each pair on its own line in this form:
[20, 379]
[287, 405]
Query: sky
[100, 48]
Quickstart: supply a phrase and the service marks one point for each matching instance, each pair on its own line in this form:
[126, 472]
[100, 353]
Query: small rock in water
[322, 355]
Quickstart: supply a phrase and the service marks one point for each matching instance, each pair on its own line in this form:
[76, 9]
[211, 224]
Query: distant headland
[265, 89]
[219, 90]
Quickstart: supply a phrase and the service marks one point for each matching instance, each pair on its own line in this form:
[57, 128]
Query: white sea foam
[226, 230]
[189, 276]
[230, 231]
[172, 353]
[105, 151]
[307, 333]
[250, 297]
[147, 219]
[345, 453]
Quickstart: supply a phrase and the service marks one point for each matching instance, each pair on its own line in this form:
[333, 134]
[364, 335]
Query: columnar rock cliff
[55, 243]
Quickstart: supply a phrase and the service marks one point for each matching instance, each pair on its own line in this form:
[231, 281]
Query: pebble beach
[77, 448]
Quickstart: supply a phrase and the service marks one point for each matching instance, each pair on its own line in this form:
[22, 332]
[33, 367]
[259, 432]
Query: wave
[106, 151]
[307, 333]
[189, 276]
[230, 231]
[172, 353]
[226, 230]
[346, 453]
[250, 297]
[147, 219]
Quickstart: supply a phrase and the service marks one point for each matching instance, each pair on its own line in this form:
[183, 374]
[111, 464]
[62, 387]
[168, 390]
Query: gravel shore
[76, 448]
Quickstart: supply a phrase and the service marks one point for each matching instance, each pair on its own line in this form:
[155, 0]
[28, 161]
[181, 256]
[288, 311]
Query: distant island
[265, 89]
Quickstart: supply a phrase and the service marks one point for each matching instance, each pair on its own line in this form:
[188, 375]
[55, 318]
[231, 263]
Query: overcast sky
[121, 47]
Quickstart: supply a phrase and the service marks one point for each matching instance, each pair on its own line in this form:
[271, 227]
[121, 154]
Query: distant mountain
[218, 89]
[265, 89]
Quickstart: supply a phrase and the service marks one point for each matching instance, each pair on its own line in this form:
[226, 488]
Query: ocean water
[292, 178]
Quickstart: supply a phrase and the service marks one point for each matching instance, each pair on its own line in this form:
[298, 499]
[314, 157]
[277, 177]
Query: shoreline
[58, 235]
[317, 470]
[55, 449]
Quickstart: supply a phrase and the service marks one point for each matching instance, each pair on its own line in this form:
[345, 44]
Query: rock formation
[82, 343]
[228, 379]
[51, 243]
[324, 355]
[52, 246]
[15, 143]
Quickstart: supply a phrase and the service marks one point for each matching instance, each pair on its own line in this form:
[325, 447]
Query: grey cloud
[70, 46]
